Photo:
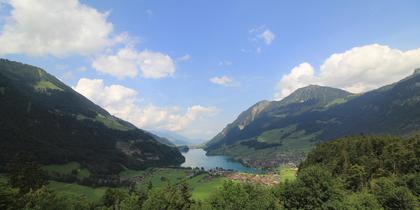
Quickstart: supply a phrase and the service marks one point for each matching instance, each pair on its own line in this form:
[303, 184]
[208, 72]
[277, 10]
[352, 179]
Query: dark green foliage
[41, 199]
[9, 198]
[314, 188]
[387, 167]
[392, 196]
[361, 201]
[412, 181]
[253, 143]
[25, 174]
[355, 177]
[113, 197]
[57, 125]
[48, 200]
[171, 197]
[359, 159]
[233, 196]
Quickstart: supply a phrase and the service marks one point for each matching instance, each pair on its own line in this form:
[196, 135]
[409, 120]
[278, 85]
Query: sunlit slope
[284, 130]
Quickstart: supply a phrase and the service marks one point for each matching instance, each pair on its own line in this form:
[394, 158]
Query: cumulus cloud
[224, 81]
[123, 102]
[51, 27]
[267, 35]
[128, 62]
[300, 76]
[356, 70]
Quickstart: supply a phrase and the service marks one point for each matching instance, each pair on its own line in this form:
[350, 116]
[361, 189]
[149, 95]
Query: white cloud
[127, 62]
[224, 81]
[185, 57]
[123, 102]
[267, 35]
[300, 76]
[259, 36]
[51, 27]
[357, 70]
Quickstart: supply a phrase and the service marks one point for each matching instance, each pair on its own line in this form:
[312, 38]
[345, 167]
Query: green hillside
[271, 133]
[42, 116]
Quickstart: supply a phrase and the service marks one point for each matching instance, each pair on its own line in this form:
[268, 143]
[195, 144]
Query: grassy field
[93, 194]
[202, 188]
[67, 169]
[202, 185]
[162, 176]
[46, 85]
[131, 173]
[287, 173]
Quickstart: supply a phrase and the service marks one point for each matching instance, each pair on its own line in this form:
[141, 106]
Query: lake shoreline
[199, 158]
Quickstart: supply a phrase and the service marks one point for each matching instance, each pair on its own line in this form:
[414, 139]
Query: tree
[362, 201]
[171, 197]
[25, 174]
[185, 192]
[131, 202]
[314, 188]
[8, 197]
[157, 199]
[113, 197]
[43, 198]
[149, 185]
[243, 196]
[355, 177]
[392, 196]
[230, 196]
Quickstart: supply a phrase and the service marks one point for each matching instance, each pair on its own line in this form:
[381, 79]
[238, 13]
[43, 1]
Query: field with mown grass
[93, 194]
[287, 173]
[202, 185]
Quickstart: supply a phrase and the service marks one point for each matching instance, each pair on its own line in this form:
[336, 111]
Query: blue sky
[210, 59]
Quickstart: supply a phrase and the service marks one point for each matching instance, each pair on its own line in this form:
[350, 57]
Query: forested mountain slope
[42, 116]
[282, 131]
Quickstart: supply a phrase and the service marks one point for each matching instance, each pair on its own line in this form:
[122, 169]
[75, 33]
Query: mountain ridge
[286, 129]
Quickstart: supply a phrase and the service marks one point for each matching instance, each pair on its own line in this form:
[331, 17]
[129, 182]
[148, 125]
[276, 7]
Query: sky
[192, 66]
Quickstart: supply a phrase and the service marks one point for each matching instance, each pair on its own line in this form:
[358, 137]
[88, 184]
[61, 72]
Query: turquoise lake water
[198, 158]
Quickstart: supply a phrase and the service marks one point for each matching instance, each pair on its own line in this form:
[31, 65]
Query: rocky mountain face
[270, 133]
[42, 116]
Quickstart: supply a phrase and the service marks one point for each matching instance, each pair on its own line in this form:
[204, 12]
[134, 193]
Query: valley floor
[202, 183]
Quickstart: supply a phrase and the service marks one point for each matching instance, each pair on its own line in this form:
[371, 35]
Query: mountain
[42, 116]
[271, 133]
[162, 140]
[174, 138]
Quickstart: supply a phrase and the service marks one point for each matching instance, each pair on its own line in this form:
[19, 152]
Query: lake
[198, 158]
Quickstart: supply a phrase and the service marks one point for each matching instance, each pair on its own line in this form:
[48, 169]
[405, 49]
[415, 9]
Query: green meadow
[67, 169]
[287, 173]
[93, 194]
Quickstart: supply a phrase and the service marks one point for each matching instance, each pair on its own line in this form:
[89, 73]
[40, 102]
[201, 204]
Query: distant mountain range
[42, 116]
[274, 132]
[174, 138]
